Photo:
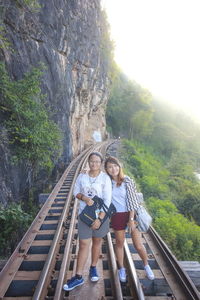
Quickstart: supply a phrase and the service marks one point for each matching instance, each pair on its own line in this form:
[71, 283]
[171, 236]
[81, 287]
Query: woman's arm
[132, 223]
[87, 200]
[107, 191]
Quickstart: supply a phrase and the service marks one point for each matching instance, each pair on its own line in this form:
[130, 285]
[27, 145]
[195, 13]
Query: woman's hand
[88, 201]
[96, 224]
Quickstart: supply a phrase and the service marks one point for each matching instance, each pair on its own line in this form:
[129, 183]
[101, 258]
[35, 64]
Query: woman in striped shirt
[124, 197]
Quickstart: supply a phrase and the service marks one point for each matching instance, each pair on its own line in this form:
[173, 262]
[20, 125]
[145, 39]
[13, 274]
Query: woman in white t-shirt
[88, 185]
[126, 204]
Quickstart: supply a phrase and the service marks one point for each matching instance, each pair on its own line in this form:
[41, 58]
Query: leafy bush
[4, 44]
[159, 208]
[34, 137]
[182, 236]
[31, 4]
[160, 187]
[13, 223]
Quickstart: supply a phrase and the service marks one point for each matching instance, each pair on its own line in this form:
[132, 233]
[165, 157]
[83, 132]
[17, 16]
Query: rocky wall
[66, 36]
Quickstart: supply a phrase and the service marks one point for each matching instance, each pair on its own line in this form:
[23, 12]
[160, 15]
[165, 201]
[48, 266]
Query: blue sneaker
[93, 274]
[72, 283]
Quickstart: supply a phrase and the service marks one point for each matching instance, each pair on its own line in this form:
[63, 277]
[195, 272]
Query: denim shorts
[85, 232]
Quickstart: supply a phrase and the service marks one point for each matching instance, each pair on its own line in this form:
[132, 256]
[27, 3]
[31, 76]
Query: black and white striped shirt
[132, 201]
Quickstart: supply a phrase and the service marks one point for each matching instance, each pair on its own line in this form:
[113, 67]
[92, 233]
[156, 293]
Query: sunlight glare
[157, 45]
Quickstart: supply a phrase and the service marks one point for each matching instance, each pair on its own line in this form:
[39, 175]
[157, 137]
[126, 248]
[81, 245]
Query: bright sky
[158, 45]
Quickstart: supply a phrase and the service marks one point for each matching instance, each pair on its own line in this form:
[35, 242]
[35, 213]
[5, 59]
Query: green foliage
[31, 4]
[148, 170]
[141, 124]
[161, 186]
[182, 236]
[13, 223]
[4, 44]
[107, 46]
[174, 132]
[159, 208]
[128, 111]
[173, 180]
[34, 137]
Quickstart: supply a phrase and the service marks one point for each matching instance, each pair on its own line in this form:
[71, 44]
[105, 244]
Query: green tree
[33, 135]
[13, 223]
[128, 110]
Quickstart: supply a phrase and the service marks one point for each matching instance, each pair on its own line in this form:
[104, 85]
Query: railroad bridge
[46, 256]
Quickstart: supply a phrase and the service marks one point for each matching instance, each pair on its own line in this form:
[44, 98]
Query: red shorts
[119, 220]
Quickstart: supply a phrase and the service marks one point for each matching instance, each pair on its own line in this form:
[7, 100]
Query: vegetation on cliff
[34, 137]
[162, 153]
[164, 196]
[13, 222]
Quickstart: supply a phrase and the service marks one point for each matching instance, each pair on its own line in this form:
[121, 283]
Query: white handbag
[143, 219]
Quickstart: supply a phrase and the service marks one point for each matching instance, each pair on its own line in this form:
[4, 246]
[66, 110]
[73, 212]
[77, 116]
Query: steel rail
[41, 289]
[20, 253]
[188, 289]
[14, 262]
[59, 287]
[114, 269]
[181, 285]
[22, 248]
[133, 275]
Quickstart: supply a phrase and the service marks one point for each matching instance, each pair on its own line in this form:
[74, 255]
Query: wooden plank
[44, 232]
[192, 268]
[61, 194]
[190, 265]
[25, 275]
[142, 274]
[17, 298]
[41, 243]
[157, 298]
[95, 290]
[35, 257]
[169, 274]
[52, 222]
[53, 214]
[136, 256]
[31, 275]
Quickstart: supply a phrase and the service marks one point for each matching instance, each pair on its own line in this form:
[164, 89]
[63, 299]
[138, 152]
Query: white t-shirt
[119, 196]
[90, 186]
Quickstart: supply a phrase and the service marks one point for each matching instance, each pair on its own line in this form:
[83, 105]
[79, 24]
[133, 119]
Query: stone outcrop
[66, 36]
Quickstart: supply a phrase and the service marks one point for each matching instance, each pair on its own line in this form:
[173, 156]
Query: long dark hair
[114, 160]
[97, 154]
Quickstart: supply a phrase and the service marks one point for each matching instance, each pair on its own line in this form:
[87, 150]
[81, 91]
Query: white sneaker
[149, 272]
[122, 274]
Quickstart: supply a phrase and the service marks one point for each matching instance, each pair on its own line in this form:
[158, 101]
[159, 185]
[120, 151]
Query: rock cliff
[65, 35]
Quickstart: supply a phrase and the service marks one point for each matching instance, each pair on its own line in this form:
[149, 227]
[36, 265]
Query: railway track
[46, 257]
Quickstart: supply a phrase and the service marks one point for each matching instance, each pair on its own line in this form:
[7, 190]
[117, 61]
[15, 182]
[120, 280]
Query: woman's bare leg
[119, 247]
[82, 255]
[96, 248]
[137, 242]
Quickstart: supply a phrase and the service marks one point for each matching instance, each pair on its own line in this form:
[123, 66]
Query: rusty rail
[50, 279]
